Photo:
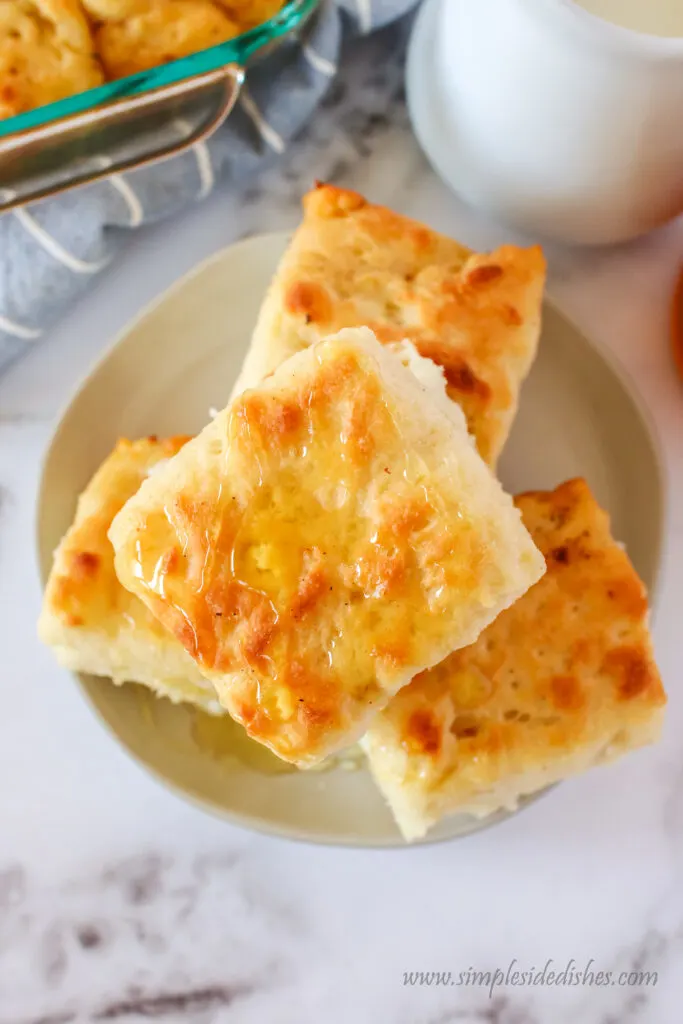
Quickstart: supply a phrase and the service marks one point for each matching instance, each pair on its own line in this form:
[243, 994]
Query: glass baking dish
[133, 121]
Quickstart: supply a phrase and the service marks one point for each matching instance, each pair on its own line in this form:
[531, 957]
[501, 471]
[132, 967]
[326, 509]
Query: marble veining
[118, 902]
[73, 943]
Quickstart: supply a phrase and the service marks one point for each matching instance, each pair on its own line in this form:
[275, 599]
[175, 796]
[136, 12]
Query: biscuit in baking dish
[46, 53]
[562, 681]
[111, 10]
[325, 537]
[244, 14]
[351, 263]
[249, 13]
[153, 32]
[93, 624]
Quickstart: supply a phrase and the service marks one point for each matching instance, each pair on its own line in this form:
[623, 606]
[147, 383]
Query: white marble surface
[120, 903]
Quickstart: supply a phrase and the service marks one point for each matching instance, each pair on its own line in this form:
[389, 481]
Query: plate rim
[257, 823]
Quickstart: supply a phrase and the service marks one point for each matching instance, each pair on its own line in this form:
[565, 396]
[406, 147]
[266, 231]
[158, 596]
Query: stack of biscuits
[332, 560]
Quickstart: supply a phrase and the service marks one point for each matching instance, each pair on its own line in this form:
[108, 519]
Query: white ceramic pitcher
[565, 125]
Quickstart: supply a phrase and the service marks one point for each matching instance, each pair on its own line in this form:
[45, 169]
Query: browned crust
[569, 667]
[354, 263]
[297, 544]
[83, 590]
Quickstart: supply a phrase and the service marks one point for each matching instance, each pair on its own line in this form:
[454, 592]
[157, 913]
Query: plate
[578, 416]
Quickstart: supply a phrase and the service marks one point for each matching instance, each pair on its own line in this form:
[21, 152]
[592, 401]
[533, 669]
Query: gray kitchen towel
[51, 251]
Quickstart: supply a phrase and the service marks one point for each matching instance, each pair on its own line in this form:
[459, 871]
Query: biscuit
[93, 624]
[327, 536]
[250, 13]
[152, 32]
[562, 681]
[46, 54]
[351, 263]
[112, 10]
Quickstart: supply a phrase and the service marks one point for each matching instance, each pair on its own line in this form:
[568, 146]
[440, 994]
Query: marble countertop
[118, 902]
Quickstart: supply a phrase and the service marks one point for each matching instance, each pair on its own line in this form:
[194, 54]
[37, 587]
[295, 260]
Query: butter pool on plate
[352, 263]
[562, 681]
[329, 535]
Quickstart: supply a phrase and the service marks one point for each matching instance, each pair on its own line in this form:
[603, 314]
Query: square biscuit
[562, 681]
[352, 264]
[94, 624]
[327, 536]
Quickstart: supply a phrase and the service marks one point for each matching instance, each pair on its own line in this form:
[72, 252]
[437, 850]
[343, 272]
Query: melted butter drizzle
[315, 520]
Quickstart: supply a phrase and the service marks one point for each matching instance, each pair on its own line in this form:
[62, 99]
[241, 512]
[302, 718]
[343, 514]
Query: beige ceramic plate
[182, 356]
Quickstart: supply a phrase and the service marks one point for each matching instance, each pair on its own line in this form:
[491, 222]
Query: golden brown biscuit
[562, 681]
[152, 32]
[351, 263]
[46, 53]
[323, 539]
[249, 13]
[91, 621]
[111, 10]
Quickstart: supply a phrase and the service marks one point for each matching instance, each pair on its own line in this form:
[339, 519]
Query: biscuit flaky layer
[351, 263]
[93, 623]
[326, 537]
[563, 680]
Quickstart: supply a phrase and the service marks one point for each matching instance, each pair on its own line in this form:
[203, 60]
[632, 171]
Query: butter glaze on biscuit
[325, 537]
